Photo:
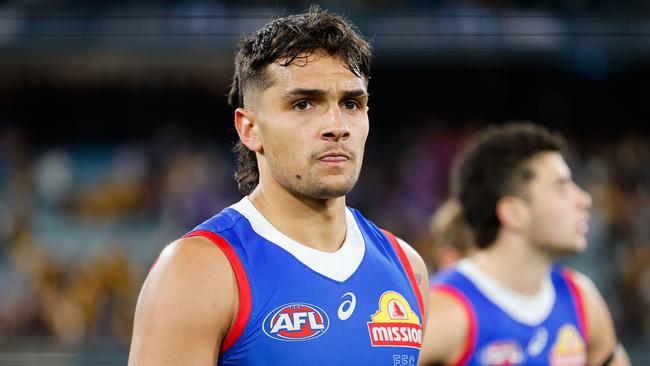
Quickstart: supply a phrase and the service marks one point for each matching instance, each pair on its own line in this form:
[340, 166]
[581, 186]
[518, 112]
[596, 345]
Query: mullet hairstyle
[287, 40]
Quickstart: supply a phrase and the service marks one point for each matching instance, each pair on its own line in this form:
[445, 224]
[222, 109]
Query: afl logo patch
[502, 353]
[296, 322]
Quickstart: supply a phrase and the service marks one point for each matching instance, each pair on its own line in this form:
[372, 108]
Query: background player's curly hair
[286, 40]
[496, 164]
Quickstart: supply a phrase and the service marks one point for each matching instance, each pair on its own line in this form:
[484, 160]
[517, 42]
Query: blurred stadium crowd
[81, 224]
[84, 215]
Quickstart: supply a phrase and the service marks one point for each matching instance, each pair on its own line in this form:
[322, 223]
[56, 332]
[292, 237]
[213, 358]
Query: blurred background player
[289, 275]
[452, 237]
[509, 303]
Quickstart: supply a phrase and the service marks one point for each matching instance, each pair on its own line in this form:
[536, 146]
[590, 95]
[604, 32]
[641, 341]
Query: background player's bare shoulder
[447, 331]
[186, 306]
[602, 341]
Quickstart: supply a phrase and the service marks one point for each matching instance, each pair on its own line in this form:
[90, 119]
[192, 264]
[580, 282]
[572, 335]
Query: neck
[316, 223]
[512, 261]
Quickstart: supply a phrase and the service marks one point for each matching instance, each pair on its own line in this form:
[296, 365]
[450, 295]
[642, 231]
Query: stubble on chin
[320, 189]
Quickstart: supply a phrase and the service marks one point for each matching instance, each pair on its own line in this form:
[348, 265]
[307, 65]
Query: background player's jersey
[300, 306]
[506, 328]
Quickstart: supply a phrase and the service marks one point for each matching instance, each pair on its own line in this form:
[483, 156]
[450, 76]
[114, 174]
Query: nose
[336, 128]
[584, 197]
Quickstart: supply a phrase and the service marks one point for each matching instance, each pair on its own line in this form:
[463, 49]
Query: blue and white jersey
[507, 328]
[301, 306]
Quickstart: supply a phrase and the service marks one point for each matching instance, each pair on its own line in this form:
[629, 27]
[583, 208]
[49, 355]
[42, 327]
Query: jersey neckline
[527, 309]
[338, 266]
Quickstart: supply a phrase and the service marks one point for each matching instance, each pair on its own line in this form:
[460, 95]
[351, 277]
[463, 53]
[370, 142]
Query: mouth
[334, 158]
[583, 226]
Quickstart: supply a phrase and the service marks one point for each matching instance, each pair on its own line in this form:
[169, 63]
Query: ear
[247, 129]
[512, 213]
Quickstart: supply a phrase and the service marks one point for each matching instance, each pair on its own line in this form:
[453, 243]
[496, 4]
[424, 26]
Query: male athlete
[509, 304]
[289, 275]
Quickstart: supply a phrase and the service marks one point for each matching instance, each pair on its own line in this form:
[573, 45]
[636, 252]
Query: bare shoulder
[602, 341]
[189, 266]
[596, 310]
[448, 316]
[191, 257]
[186, 305]
[416, 262]
[447, 333]
[585, 284]
[421, 277]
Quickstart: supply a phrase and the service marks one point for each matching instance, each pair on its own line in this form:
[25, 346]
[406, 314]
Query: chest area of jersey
[375, 307]
[386, 319]
[560, 345]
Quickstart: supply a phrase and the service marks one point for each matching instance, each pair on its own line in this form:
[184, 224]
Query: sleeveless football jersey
[510, 329]
[300, 306]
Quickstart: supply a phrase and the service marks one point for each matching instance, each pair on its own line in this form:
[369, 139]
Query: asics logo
[538, 342]
[347, 307]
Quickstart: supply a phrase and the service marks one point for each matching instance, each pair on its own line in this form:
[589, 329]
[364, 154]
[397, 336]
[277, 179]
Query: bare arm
[421, 275]
[186, 306]
[600, 327]
[446, 334]
[445, 324]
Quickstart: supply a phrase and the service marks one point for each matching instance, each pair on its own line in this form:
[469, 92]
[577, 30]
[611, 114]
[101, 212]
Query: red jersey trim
[409, 271]
[472, 326]
[578, 302]
[245, 298]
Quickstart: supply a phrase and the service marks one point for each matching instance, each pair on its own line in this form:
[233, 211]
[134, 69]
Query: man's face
[313, 124]
[559, 209]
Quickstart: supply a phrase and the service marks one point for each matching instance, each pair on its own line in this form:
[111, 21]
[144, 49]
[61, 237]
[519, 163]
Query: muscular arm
[600, 327]
[446, 334]
[186, 306]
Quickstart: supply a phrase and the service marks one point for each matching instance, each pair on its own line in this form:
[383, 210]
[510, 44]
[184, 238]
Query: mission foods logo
[296, 322]
[569, 348]
[395, 324]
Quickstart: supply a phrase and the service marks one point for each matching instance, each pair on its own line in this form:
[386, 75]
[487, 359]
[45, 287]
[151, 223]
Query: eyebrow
[304, 92]
[357, 93]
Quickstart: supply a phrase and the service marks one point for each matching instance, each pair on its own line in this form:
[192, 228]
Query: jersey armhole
[578, 301]
[409, 270]
[472, 324]
[245, 296]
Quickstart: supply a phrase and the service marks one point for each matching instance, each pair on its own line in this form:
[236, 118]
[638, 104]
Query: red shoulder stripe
[245, 298]
[409, 271]
[578, 302]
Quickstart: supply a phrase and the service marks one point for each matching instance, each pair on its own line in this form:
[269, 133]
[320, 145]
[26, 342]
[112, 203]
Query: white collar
[339, 265]
[528, 309]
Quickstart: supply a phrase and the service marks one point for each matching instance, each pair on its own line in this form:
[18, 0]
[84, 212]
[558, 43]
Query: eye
[351, 105]
[302, 105]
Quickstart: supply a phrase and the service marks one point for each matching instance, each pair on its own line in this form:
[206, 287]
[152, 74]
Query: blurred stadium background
[115, 139]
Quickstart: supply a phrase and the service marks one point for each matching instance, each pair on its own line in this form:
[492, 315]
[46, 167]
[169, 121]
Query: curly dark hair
[287, 39]
[496, 164]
